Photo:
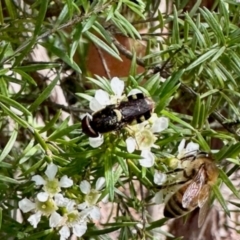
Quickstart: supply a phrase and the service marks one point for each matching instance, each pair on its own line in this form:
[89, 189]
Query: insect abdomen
[173, 207]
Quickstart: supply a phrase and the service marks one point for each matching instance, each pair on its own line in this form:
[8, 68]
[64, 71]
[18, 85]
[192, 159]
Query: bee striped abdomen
[202, 174]
[174, 207]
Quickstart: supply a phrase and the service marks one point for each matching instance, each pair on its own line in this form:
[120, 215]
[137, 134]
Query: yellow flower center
[72, 216]
[92, 197]
[52, 186]
[145, 139]
[47, 207]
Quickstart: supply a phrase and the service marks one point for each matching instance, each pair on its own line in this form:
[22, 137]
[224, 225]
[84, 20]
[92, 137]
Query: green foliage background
[201, 49]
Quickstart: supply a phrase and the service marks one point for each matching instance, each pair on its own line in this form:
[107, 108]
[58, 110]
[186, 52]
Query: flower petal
[139, 225]
[55, 219]
[148, 158]
[117, 86]
[181, 146]
[95, 105]
[65, 182]
[26, 205]
[38, 180]
[42, 196]
[133, 231]
[82, 206]
[96, 142]
[160, 124]
[84, 214]
[158, 198]
[79, 229]
[95, 213]
[131, 144]
[35, 219]
[70, 204]
[105, 199]
[85, 187]
[134, 91]
[145, 139]
[102, 97]
[59, 200]
[51, 171]
[100, 183]
[64, 233]
[192, 147]
[159, 177]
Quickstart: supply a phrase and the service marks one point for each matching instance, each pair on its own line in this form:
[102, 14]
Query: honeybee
[200, 174]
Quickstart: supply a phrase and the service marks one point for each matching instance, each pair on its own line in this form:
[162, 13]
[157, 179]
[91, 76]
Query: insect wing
[194, 188]
[204, 209]
[203, 195]
[136, 109]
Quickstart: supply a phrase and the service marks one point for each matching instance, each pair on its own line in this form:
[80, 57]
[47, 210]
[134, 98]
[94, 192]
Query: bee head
[87, 128]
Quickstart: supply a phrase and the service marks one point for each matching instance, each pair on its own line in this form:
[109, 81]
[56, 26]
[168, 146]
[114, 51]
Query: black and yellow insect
[136, 109]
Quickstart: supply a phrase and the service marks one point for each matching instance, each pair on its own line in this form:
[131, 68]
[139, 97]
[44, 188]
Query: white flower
[60, 200]
[55, 219]
[159, 177]
[147, 158]
[191, 149]
[47, 208]
[92, 211]
[26, 205]
[144, 138]
[51, 185]
[96, 142]
[72, 219]
[91, 197]
[102, 98]
[64, 233]
[117, 86]
[35, 219]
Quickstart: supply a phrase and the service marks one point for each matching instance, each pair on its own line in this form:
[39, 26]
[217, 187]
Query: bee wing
[203, 195]
[194, 188]
[204, 203]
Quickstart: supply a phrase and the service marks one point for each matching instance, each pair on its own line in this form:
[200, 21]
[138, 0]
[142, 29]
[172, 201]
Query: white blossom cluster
[141, 136]
[65, 214]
